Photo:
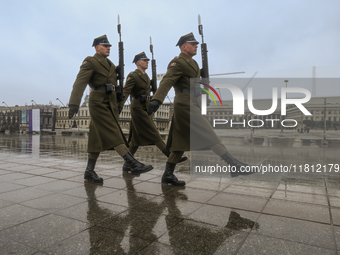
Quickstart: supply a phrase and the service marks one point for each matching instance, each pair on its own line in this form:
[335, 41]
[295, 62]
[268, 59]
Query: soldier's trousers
[121, 149]
[218, 148]
[160, 145]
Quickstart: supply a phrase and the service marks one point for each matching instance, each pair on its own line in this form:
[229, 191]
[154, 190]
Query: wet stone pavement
[46, 208]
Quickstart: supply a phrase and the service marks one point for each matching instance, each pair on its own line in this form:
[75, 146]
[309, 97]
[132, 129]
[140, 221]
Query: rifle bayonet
[118, 28]
[200, 27]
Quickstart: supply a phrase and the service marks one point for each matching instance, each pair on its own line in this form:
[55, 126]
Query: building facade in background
[28, 118]
[325, 113]
[82, 119]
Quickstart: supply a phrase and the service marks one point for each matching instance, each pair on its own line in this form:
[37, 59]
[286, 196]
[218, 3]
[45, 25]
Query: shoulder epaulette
[86, 60]
[131, 73]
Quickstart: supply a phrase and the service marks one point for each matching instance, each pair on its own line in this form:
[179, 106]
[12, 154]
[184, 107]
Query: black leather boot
[167, 153]
[90, 174]
[136, 166]
[241, 168]
[126, 167]
[169, 177]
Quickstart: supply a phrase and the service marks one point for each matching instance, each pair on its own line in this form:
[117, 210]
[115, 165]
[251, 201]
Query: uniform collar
[141, 74]
[185, 56]
[190, 61]
[103, 61]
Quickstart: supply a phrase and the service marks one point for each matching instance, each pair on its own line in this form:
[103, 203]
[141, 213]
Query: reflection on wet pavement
[46, 208]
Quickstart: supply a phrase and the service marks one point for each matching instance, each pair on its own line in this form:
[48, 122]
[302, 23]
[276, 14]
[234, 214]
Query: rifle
[120, 70]
[204, 52]
[154, 73]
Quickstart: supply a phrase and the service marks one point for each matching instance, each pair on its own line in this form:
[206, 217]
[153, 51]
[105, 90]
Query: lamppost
[8, 116]
[324, 122]
[35, 104]
[282, 118]
[286, 81]
[6, 105]
[63, 111]
[60, 101]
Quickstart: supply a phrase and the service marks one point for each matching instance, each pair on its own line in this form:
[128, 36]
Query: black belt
[195, 92]
[182, 90]
[103, 87]
[139, 97]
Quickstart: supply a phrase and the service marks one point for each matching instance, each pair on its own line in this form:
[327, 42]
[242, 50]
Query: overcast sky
[44, 42]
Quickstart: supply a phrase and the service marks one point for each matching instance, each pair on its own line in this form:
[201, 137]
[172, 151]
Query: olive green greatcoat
[187, 122]
[105, 132]
[142, 129]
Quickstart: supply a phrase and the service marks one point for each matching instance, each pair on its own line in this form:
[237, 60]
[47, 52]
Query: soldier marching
[187, 119]
[105, 105]
[142, 128]
[104, 133]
